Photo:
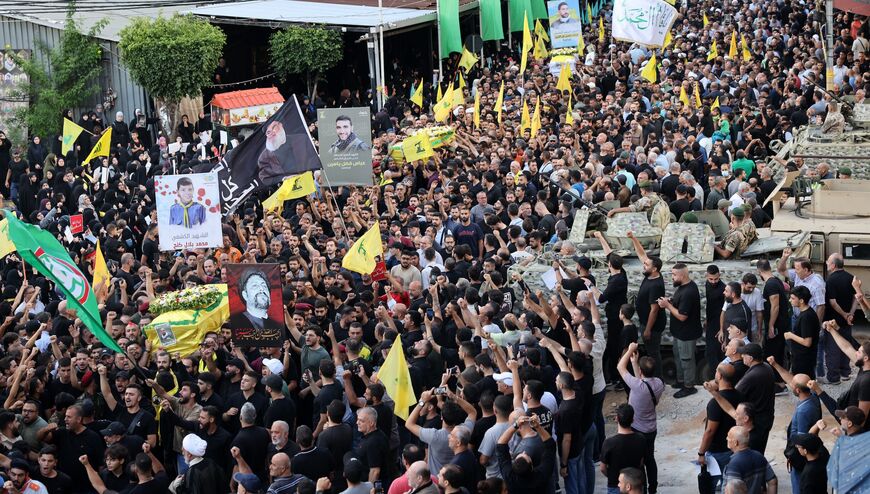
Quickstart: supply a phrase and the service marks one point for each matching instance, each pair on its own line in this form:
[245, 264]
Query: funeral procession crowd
[442, 370]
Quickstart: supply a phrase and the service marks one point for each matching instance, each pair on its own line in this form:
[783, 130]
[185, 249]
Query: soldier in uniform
[656, 209]
[748, 226]
[735, 240]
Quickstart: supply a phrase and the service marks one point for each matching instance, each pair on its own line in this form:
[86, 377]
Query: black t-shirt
[567, 421]
[860, 391]
[629, 335]
[773, 286]
[838, 287]
[622, 451]
[545, 416]
[758, 388]
[481, 425]
[313, 463]
[329, 392]
[687, 300]
[651, 289]
[117, 483]
[158, 485]
[253, 445]
[59, 484]
[740, 315]
[338, 440]
[385, 418]
[373, 450]
[715, 295]
[280, 409]
[806, 326]
[583, 389]
[70, 446]
[814, 477]
[145, 424]
[715, 413]
[260, 402]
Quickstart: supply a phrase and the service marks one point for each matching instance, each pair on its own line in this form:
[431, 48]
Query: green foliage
[304, 50]
[68, 81]
[171, 57]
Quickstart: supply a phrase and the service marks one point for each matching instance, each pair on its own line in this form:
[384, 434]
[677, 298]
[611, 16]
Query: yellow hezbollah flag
[697, 96]
[361, 256]
[540, 49]
[468, 59]
[540, 31]
[292, 188]
[668, 40]
[527, 44]
[417, 147]
[581, 46]
[706, 21]
[6, 245]
[477, 109]
[569, 116]
[499, 102]
[101, 271]
[417, 95]
[684, 98]
[458, 95]
[564, 83]
[747, 55]
[715, 104]
[536, 120]
[440, 95]
[588, 13]
[601, 29]
[396, 378]
[525, 121]
[182, 331]
[71, 132]
[102, 146]
[732, 50]
[443, 107]
[649, 71]
[714, 53]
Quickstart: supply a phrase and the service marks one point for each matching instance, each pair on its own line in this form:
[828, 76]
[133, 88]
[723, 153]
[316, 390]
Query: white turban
[274, 365]
[194, 445]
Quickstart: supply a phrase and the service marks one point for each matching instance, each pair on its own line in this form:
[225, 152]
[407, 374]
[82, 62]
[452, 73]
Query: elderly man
[284, 481]
[748, 465]
[203, 475]
[420, 479]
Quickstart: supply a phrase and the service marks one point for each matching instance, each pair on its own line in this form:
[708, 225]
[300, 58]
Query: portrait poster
[14, 84]
[188, 211]
[345, 137]
[256, 304]
[565, 25]
[277, 149]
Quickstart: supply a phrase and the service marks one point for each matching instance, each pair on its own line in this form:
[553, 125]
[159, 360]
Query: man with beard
[185, 408]
[347, 141]
[714, 290]
[685, 310]
[254, 291]
[650, 315]
[280, 157]
[280, 441]
[20, 482]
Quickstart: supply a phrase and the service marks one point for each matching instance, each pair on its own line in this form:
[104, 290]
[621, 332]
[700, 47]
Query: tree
[65, 77]
[171, 58]
[305, 50]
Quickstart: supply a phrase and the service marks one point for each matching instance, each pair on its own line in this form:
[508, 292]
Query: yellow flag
[527, 44]
[649, 72]
[417, 147]
[361, 256]
[443, 107]
[417, 97]
[396, 378]
[458, 95]
[71, 132]
[525, 121]
[536, 120]
[540, 31]
[715, 103]
[440, 95]
[183, 331]
[747, 55]
[706, 21]
[101, 148]
[732, 50]
[564, 83]
[468, 59]
[581, 46]
[477, 109]
[6, 245]
[292, 188]
[499, 102]
[588, 13]
[668, 40]
[697, 96]
[101, 271]
[714, 53]
[601, 29]
[540, 49]
[569, 115]
[684, 98]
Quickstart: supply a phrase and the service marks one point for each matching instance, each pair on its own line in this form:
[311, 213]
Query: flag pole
[382, 70]
[438, 29]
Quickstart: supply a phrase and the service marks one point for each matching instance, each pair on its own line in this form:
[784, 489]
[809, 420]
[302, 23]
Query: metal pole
[510, 34]
[438, 28]
[376, 60]
[381, 41]
[829, 42]
[480, 22]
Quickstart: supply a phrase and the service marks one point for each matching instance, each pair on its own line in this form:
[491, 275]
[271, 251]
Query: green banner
[448, 24]
[516, 11]
[490, 20]
[41, 250]
[539, 9]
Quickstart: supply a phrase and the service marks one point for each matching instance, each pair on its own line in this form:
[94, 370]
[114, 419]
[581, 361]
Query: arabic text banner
[645, 22]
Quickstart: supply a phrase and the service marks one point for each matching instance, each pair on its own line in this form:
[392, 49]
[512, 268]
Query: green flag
[490, 20]
[448, 23]
[42, 251]
[517, 10]
[539, 9]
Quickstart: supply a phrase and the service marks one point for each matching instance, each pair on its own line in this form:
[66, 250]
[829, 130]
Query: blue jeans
[588, 465]
[575, 475]
[722, 459]
[613, 490]
[13, 190]
[795, 481]
[598, 418]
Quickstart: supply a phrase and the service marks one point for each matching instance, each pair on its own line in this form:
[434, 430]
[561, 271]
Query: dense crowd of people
[511, 382]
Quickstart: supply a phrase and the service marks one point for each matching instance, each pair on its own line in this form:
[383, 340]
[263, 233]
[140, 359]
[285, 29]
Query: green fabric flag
[490, 20]
[448, 23]
[41, 250]
[539, 9]
[516, 11]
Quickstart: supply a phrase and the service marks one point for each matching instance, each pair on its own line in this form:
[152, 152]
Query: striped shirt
[814, 282]
[752, 468]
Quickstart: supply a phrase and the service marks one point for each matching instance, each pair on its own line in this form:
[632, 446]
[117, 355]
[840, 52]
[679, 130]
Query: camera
[352, 366]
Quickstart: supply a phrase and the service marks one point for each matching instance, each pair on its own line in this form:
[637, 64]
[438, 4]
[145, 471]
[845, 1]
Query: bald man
[748, 465]
[283, 480]
[420, 479]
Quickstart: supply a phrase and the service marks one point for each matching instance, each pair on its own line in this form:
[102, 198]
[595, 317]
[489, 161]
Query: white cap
[504, 377]
[274, 365]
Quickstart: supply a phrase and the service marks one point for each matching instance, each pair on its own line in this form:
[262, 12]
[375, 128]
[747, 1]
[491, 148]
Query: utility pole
[829, 45]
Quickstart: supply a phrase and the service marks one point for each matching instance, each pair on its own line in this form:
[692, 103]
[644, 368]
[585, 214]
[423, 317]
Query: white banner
[645, 22]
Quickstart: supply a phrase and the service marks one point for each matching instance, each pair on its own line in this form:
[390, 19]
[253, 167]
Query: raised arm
[641, 252]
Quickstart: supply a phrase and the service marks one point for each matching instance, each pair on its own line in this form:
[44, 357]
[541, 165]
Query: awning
[248, 97]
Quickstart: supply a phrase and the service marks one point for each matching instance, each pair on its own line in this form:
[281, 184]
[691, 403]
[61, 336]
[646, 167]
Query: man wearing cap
[845, 173]
[758, 387]
[654, 206]
[248, 483]
[203, 475]
[851, 421]
[116, 433]
[814, 477]
[735, 241]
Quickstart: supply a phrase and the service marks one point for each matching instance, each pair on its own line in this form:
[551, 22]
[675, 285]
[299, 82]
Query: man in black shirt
[804, 336]
[252, 441]
[685, 310]
[373, 448]
[247, 394]
[718, 422]
[776, 312]
[336, 438]
[311, 461]
[758, 388]
[650, 315]
[56, 482]
[282, 408]
[840, 298]
[814, 476]
[737, 313]
[72, 442]
[714, 290]
[615, 294]
[568, 435]
[326, 392]
[624, 449]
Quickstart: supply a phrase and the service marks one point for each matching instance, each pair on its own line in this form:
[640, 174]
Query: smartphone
[453, 370]
[441, 390]
[378, 487]
[430, 313]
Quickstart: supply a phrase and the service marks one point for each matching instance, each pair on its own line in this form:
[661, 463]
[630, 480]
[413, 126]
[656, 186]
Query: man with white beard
[283, 155]
[254, 291]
